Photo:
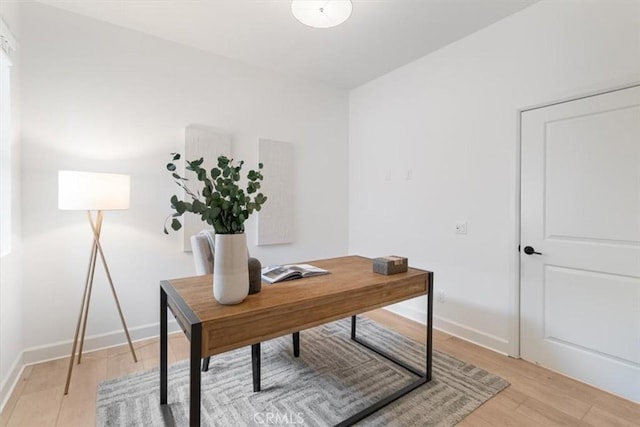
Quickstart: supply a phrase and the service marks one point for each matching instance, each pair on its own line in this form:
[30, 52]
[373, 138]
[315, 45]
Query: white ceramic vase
[230, 272]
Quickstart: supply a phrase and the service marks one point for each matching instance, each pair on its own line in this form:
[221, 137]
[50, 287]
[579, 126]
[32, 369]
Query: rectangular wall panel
[275, 220]
[208, 143]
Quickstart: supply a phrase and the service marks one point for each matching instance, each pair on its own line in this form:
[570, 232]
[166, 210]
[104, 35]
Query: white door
[580, 209]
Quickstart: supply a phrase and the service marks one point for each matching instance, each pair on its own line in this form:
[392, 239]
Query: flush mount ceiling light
[321, 13]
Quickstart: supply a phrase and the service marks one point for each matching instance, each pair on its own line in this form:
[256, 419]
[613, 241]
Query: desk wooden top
[291, 306]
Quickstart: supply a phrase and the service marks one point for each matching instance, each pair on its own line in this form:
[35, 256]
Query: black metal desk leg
[194, 368]
[353, 327]
[429, 328]
[163, 347]
[205, 364]
[296, 344]
[423, 377]
[255, 366]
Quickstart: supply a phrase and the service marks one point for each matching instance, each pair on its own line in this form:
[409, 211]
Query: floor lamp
[89, 192]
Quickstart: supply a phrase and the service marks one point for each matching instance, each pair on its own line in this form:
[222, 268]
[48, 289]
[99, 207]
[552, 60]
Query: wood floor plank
[96, 354]
[624, 409]
[118, 349]
[474, 420]
[511, 398]
[151, 363]
[180, 346]
[497, 414]
[13, 399]
[78, 407]
[38, 409]
[598, 417]
[544, 414]
[559, 400]
[150, 350]
[122, 364]
[47, 375]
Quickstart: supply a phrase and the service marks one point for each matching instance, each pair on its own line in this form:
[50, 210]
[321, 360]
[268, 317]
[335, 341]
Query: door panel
[581, 171]
[582, 322]
[580, 207]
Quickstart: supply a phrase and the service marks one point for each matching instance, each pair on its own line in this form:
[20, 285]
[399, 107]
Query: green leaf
[176, 156]
[198, 206]
[175, 224]
[171, 167]
[223, 161]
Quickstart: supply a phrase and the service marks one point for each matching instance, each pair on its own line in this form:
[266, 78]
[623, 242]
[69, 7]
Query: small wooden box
[390, 265]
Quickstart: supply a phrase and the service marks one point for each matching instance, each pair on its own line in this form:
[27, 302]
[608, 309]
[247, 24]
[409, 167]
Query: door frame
[516, 193]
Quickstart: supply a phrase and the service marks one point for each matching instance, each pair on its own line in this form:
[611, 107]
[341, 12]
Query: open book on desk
[280, 273]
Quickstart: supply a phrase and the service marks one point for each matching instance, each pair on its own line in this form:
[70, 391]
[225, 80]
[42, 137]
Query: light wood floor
[536, 397]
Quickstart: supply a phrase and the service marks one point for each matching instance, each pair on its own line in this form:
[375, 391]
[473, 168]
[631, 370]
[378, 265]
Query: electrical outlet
[441, 296]
[461, 227]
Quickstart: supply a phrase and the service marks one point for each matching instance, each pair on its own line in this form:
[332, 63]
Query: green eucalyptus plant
[221, 203]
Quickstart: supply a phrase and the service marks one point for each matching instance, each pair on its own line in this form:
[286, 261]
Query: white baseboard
[456, 329]
[419, 316]
[467, 333]
[96, 342]
[44, 353]
[11, 381]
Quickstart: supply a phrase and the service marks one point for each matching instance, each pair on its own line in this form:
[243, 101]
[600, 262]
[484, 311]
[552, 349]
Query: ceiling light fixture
[321, 13]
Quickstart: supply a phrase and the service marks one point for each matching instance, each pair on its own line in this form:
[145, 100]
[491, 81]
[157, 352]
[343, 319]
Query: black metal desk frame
[192, 327]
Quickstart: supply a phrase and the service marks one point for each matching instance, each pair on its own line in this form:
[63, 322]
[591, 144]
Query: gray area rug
[333, 379]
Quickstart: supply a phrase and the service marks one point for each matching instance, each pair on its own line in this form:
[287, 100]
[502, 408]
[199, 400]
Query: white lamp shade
[321, 13]
[91, 191]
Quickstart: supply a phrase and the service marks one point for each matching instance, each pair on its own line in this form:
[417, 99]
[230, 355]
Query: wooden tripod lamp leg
[96, 236]
[94, 257]
[84, 307]
[86, 297]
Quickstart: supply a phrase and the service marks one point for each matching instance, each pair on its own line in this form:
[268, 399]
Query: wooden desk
[283, 308]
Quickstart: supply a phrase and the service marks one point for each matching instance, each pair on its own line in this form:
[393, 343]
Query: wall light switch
[461, 227]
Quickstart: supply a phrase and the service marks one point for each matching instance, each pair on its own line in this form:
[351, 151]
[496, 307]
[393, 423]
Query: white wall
[11, 331]
[451, 119]
[101, 98]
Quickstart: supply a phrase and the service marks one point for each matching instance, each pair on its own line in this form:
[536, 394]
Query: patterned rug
[332, 379]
